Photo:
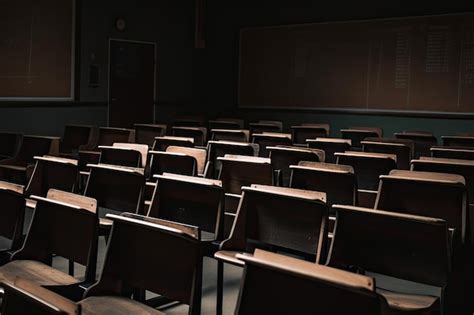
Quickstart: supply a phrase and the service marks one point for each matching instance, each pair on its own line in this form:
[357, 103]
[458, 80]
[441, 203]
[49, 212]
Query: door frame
[155, 66]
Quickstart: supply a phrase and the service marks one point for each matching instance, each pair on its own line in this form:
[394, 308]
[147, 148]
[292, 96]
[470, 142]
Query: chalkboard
[36, 49]
[410, 64]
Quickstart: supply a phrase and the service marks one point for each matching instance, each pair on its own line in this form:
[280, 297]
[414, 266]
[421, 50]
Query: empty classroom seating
[265, 126]
[403, 149]
[268, 139]
[15, 169]
[463, 141]
[235, 135]
[189, 122]
[146, 133]
[358, 134]
[124, 154]
[277, 284]
[330, 146]
[199, 154]
[64, 225]
[282, 157]
[423, 141]
[299, 216]
[178, 160]
[368, 167]
[75, 137]
[9, 144]
[161, 143]
[368, 240]
[199, 134]
[452, 153]
[218, 149]
[309, 131]
[226, 123]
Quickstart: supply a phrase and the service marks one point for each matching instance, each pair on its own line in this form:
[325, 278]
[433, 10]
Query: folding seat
[369, 240]
[9, 144]
[65, 225]
[368, 167]
[282, 157]
[199, 134]
[218, 149]
[270, 139]
[265, 126]
[401, 148]
[15, 170]
[189, 122]
[124, 154]
[76, 137]
[178, 160]
[308, 131]
[277, 284]
[330, 146]
[235, 135]
[299, 216]
[226, 123]
[146, 133]
[358, 134]
[463, 141]
[161, 143]
[423, 141]
[452, 153]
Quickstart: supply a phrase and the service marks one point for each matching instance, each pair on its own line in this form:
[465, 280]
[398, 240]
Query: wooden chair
[452, 153]
[162, 143]
[9, 144]
[235, 135]
[277, 284]
[124, 154]
[371, 240]
[368, 167]
[75, 137]
[218, 149]
[423, 141]
[199, 134]
[199, 154]
[358, 134]
[178, 160]
[64, 225]
[402, 148]
[226, 124]
[282, 157]
[147, 254]
[269, 139]
[12, 217]
[299, 216]
[25, 297]
[146, 133]
[330, 146]
[189, 122]
[15, 170]
[308, 131]
[265, 126]
[464, 141]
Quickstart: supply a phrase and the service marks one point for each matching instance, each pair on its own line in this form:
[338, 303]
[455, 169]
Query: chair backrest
[299, 216]
[9, 144]
[238, 121]
[172, 162]
[32, 146]
[162, 143]
[436, 195]
[12, 213]
[402, 148]
[189, 200]
[423, 141]
[26, 297]
[150, 254]
[52, 173]
[218, 149]
[403, 246]
[269, 139]
[239, 170]
[117, 188]
[188, 122]
[267, 126]
[68, 229]
[452, 153]
[142, 148]
[199, 134]
[236, 135]
[337, 181]
[368, 166]
[282, 157]
[76, 136]
[276, 284]
[358, 134]
[224, 124]
[330, 146]
[466, 141]
[146, 133]
[112, 155]
[108, 136]
[199, 154]
[309, 131]
[464, 168]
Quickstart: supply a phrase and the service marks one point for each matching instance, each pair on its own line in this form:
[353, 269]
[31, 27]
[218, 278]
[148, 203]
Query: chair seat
[110, 305]
[36, 272]
[415, 304]
[105, 223]
[229, 257]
